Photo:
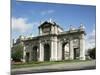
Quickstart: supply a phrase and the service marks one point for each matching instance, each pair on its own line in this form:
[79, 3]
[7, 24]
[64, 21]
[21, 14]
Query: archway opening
[47, 52]
[76, 48]
[35, 53]
[27, 56]
[76, 53]
[65, 51]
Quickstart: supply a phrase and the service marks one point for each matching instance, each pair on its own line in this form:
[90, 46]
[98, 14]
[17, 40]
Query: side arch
[65, 51]
[35, 53]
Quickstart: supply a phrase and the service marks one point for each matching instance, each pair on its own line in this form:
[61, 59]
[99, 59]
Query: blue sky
[29, 15]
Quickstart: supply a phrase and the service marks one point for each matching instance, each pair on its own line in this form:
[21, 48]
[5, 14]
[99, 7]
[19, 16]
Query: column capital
[82, 36]
[40, 41]
[70, 38]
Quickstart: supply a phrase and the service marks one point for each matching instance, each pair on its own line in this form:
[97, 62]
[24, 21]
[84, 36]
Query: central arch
[47, 52]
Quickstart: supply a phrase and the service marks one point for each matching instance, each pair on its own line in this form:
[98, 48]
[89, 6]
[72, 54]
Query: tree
[17, 53]
[92, 53]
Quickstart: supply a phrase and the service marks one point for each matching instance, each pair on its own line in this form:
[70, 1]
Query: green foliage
[17, 53]
[92, 53]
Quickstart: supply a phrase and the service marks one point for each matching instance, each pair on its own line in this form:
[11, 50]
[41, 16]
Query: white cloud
[90, 40]
[46, 12]
[20, 24]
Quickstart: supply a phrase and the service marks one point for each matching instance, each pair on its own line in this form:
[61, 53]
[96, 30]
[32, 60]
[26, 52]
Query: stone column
[52, 55]
[71, 57]
[30, 56]
[59, 49]
[82, 47]
[38, 54]
[24, 54]
[53, 50]
[41, 52]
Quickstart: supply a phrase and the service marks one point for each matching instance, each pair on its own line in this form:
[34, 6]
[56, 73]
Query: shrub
[17, 53]
[92, 53]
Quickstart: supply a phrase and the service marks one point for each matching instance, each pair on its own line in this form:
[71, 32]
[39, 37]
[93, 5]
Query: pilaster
[41, 53]
[53, 50]
[24, 54]
[71, 49]
[59, 49]
[82, 47]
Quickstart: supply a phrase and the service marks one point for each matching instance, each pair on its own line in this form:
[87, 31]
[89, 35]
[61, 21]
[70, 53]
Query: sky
[26, 17]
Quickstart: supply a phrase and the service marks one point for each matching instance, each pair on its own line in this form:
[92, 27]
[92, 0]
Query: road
[57, 67]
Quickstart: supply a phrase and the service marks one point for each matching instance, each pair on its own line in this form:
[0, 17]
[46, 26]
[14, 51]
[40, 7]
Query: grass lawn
[34, 64]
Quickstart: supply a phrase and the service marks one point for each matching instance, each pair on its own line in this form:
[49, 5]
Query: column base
[71, 59]
[59, 59]
[53, 59]
[82, 58]
[40, 60]
[23, 60]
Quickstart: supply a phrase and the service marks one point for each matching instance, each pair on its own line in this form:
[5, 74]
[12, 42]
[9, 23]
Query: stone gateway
[53, 43]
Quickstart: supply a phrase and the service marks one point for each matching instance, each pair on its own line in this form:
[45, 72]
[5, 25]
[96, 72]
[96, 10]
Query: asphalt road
[57, 67]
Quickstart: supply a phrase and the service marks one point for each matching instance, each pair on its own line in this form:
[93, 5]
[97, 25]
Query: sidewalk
[57, 67]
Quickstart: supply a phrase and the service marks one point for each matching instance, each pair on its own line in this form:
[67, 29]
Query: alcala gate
[54, 44]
